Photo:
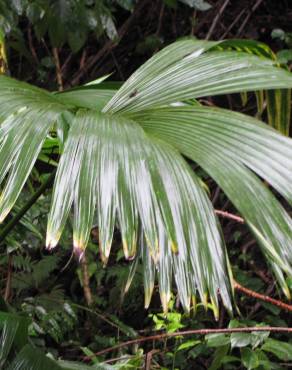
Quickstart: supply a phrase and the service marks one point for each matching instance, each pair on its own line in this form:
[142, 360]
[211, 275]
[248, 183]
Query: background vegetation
[78, 312]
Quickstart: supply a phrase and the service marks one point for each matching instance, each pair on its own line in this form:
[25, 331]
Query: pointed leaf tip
[51, 243]
[4, 214]
[78, 252]
[104, 251]
[165, 298]
[129, 253]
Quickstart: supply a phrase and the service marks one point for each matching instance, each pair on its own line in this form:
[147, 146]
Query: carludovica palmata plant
[123, 165]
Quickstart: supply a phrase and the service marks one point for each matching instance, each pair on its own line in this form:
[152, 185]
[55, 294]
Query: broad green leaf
[198, 136]
[252, 47]
[64, 184]
[9, 330]
[240, 339]
[20, 335]
[144, 76]
[179, 76]
[26, 115]
[245, 138]
[217, 340]
[16, 95]
[111, 165]
[218, 357]
[86, 98]
[22, 138]
[249, 358]
[31, 358]
[280, 349]
[123, 166]
[278, 101]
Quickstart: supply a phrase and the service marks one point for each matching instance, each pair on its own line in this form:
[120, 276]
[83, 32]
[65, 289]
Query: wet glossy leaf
[196, 133]
[217, 340]
[240, 339]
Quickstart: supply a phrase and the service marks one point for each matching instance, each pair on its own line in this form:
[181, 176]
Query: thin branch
[148, 359]
[31, 47]
[253, 9]
[216, 195]
[192, 332]
[216, 19]
[160, 19]
[236, 19]
[14, 221]
[262, 297]
[231, 216]
[58, 69]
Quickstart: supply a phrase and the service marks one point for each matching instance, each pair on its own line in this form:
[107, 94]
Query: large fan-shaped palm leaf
[121, 165]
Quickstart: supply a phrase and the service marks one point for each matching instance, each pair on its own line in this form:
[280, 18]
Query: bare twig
[31, 47]
[192, 332]
[193, 22]
[216, 195]
[82, 62]
[160, 19]
[236, 19]
[257, 306]
[253, 9]
[117, 66]
[148, 358]
[216, 19]
[58, 69]
[230, 216]
[262, 297]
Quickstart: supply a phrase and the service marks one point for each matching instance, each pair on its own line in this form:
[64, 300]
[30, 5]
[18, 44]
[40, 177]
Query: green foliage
[141, 124]
[284, 55]
[63, 21]
[48, 288]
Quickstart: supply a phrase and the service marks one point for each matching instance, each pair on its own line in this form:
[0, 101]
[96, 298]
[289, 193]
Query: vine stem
[10, 225]
[192, 332]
